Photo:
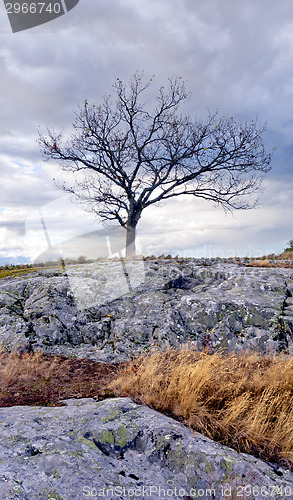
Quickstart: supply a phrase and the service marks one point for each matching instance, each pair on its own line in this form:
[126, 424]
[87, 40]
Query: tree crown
[133, 156]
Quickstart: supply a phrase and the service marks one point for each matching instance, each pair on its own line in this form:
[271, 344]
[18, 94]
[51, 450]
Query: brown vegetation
[285, 259]
[287, 254]
[244, 401]
[15, 270]
[44, 379]
[260, 263]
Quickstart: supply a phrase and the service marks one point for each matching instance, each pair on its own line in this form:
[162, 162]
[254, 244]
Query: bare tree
[135, 155]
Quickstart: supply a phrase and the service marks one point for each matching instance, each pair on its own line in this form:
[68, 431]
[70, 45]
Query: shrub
[81, 259]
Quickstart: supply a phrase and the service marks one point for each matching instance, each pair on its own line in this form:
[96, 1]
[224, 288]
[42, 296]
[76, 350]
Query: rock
[86, 447]
[111, 311]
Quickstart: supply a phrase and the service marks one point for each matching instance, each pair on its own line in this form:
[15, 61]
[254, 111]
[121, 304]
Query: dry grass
[243, 401]
[4, 273]
[285, 259]
[44, 379]
[260, 263]
[287, 254]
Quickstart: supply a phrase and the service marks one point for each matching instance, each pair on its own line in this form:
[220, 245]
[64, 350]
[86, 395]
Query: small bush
[81, 259]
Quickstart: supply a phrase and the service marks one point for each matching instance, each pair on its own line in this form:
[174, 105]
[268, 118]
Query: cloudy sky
[236, 56]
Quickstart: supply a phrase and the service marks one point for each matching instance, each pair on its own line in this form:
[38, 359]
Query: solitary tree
[135, 155]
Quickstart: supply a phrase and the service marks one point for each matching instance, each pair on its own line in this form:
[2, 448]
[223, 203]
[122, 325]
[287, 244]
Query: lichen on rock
[219, 305]
[89, 446]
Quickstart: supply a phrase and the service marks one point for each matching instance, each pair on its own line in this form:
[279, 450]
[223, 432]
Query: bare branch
[139, 154]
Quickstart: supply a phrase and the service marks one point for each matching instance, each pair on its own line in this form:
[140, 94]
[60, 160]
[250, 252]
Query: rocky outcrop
[110, 311]
[118, 449]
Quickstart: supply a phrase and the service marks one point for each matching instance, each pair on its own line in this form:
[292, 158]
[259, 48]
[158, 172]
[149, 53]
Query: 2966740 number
[33, 8]
[264, 491]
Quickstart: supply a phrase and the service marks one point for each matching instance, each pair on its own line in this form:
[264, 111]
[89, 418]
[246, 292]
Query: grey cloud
[16, 227]
[24, 188]
[236, 57]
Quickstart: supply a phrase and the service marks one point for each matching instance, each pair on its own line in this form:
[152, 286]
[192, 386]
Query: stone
[87, 447]
[109, 311]
[112, 311]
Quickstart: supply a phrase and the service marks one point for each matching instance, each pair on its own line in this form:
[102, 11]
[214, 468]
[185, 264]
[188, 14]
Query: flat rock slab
[85, 448]
[111, 311]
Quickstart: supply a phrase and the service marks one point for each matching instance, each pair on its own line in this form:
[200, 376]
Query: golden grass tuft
[243, 401]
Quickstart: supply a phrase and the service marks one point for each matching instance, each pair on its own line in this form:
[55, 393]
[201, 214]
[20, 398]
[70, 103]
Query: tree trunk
[130, 241]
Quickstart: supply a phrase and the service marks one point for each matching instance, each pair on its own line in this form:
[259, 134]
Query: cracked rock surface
[110, 311]
[85, 447]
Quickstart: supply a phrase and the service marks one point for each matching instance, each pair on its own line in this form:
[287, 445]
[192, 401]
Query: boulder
[118, 449]
[112, 311]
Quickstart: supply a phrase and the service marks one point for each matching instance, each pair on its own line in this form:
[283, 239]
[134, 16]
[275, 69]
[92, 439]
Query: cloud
[236, 58]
